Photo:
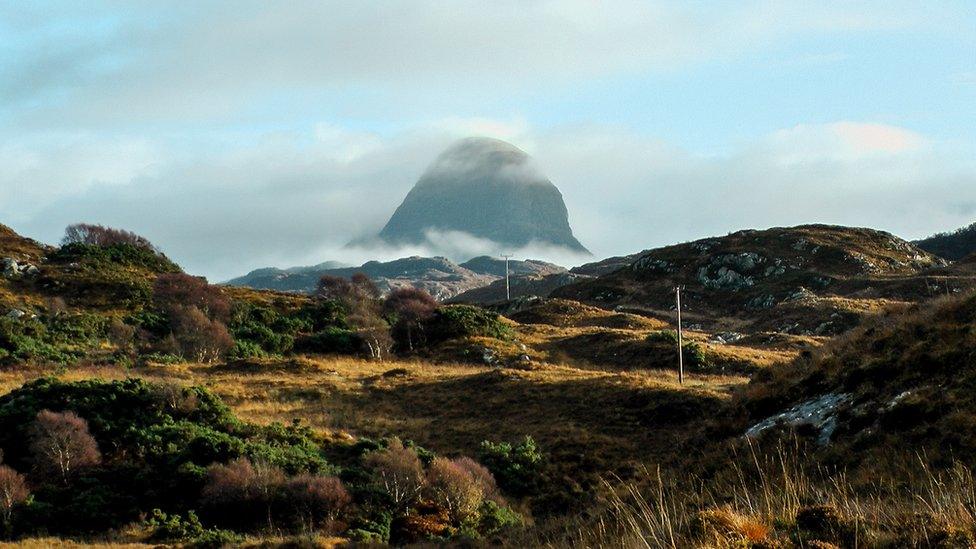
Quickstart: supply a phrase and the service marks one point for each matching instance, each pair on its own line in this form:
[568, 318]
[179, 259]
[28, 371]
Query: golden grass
[449, 407]
[774, 500]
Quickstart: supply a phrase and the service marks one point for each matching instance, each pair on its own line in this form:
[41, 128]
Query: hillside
[297, 398]
[954, 245]
[812, 280]
[902, 381]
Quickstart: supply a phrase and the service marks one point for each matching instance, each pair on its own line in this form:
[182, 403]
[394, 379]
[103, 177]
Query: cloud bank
[298, 199]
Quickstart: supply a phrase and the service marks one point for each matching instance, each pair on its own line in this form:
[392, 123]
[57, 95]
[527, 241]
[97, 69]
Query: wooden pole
[508, 293]
[681, 358]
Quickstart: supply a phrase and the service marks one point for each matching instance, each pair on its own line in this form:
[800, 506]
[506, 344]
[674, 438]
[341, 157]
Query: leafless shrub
[452, 486]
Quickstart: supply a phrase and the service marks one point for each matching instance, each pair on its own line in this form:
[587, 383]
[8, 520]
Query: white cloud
[291, 199]
[210, 60]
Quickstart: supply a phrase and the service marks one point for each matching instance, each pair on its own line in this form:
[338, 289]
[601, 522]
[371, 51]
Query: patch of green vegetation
[518, 468]
[60, 339]
[93, 257]
[454, 321]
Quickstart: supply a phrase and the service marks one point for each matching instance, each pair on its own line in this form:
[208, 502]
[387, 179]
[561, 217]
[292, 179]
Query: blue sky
[244, 134]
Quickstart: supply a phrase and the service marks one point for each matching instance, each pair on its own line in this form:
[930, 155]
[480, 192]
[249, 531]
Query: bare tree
[62, 445]
[399, 471]
[13, 492]
[99, 235]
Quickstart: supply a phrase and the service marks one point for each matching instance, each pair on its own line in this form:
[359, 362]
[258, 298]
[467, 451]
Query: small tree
[409, 308]
[399, 471]
[13, 492]
[316, 501]
[452, 486]
[61, 444]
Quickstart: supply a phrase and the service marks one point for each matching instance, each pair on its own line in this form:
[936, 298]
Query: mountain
[953, 245]
[489, 189]
[810, 280]
[439, 276]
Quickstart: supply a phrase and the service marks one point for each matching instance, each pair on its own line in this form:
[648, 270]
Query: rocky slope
[440, 277]
[814, 279]
[901, 382]
[486, 188]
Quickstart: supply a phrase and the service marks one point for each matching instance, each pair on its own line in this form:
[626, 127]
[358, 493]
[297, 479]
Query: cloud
[111, 64]
[298, 198]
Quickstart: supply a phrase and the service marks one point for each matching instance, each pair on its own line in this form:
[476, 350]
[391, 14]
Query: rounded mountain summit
[487, 188]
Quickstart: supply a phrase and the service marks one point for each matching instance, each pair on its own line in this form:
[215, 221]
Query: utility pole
[508, 293]
[681, 358]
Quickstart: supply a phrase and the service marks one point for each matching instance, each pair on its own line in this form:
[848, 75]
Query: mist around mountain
[486, 188]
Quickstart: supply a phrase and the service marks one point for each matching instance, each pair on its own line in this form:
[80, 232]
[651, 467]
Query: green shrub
[157, 441]
[518, 468]
[663, 336]
[330, 340]
[496, 518]
[694, 356]
[455, 321]
[174, 528]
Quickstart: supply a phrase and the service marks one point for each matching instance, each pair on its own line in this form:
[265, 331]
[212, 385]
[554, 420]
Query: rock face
[487, 188]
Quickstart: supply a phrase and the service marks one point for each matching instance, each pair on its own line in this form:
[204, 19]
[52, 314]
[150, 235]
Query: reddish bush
[453, 487]
[240, 495]
[13, 492]
[198, 337]
[399, 471]
[178, 290]
[315, 502]
[61, 444]
[482, 477]
[99, 235]
[409, 308]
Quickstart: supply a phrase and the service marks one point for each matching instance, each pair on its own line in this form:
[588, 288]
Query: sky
[238, 135]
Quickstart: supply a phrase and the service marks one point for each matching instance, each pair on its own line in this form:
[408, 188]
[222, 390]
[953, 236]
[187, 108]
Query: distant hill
[813, 279]
[439, 276]
[953, 245]
[486, 188]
